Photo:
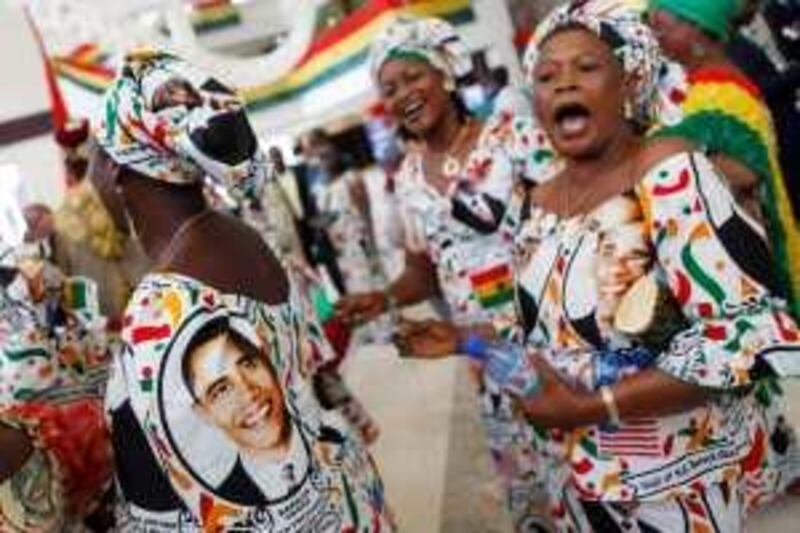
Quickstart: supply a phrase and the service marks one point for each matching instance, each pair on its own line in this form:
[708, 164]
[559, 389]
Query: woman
[454, 185]
[345, 215]
[179, 442]
[692, 441]
[56, 462]
[725, 113]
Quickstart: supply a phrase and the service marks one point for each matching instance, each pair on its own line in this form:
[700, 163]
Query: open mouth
[412, 111]
[572, 119]
[256, 415]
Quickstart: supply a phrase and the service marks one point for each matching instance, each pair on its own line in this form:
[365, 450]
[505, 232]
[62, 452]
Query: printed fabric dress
[725, 113]
[350, 235]
[678, 472]
[53, 367]
[464, 234]
[231, 438]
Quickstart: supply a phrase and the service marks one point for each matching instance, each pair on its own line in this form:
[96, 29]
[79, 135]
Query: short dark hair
[217, 327]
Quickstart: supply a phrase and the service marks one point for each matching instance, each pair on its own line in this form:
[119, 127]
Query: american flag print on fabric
[632, 438]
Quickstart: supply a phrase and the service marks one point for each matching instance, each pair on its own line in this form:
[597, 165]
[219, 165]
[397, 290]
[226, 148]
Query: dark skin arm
[417, 283]
[435, 339]
[15, 449]
[743, 183]
[650, 393]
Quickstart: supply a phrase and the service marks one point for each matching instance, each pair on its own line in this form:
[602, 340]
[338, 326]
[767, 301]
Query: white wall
[23, 92]
[22, 86]
[39, 163]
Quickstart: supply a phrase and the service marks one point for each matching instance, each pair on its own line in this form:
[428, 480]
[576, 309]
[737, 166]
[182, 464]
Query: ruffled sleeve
[717, 265]
[527, 146]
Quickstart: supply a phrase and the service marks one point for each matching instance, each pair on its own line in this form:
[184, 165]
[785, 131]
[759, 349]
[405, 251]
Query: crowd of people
[623, 228]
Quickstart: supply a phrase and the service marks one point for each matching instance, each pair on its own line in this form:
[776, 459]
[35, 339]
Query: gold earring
[698, 50]
[449, 85]
[627, 110]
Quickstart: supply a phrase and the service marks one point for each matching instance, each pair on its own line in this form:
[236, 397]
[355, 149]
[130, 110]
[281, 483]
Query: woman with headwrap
[55, 451]
[454, 187]
[689, 435]
[85, 241]
[725, 114]
[214, 422]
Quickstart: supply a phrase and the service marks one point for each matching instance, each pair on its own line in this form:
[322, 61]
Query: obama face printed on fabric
[235, 389]
[228, 414]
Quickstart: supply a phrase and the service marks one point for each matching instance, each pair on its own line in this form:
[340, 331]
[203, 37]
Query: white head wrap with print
[619, 24]
[207, 136]
[431, 39]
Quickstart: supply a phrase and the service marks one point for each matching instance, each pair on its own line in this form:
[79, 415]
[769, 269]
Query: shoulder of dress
[659, 152]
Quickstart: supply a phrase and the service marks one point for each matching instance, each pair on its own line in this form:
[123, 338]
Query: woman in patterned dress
[214, 420]
[453, 186]
[55, 451]
[693, 438]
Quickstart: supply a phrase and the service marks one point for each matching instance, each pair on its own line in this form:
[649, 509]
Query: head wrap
[620, 25]
[427, 39]
[206, 135]
[713, 16]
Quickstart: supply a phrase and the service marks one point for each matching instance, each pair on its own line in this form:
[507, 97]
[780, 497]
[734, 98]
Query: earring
[627, 110]
[450, 85]
[698, 50]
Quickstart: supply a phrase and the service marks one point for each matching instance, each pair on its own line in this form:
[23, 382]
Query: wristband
[611, 405]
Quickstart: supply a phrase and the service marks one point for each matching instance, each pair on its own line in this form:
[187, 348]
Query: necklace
[580, 199]
[452, 164]
[448, 161]
[168, 254]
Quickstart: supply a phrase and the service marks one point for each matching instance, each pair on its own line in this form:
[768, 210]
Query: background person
[84, 239]
[345, 215]
[725, 113]
[778, 80]
[55, 453]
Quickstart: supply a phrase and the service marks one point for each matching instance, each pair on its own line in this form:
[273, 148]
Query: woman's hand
[427, 339]
[357, 309]
[559, 405]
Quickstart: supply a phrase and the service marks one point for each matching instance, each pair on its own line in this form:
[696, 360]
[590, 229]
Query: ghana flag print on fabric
[493, 286]
[725, 113]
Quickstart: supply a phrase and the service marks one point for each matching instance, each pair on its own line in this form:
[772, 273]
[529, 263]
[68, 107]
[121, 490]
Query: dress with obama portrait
[681, 226]
[212, 402]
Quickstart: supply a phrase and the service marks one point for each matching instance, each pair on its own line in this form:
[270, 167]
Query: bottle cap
[474, 346]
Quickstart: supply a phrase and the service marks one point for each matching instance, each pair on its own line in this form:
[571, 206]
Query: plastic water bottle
[610, 366]
[505, 363]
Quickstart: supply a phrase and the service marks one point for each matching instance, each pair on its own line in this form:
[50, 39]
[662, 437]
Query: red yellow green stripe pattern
[724, 112]
[346, 46]
[332, 53]
[86, 66]
[208, 15]
[493, 287]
